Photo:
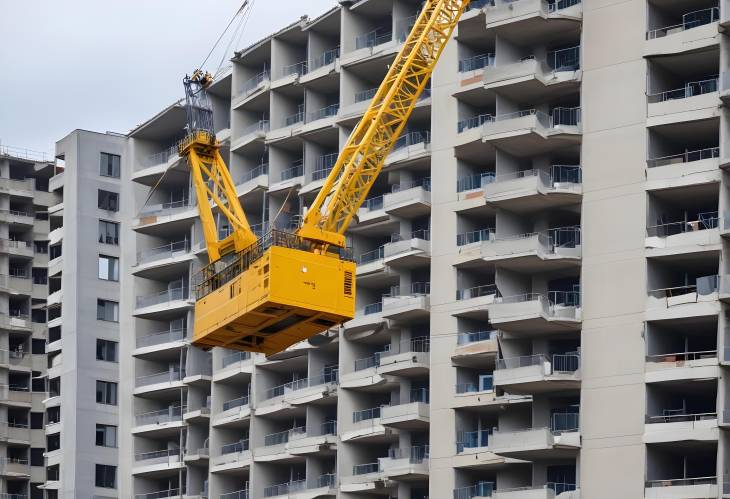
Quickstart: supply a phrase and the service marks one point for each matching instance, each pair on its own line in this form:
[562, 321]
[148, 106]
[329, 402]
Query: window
[108, 268]
[37, 382]
[36, 420]
[38, 346]
[40, 276]
[36, 456]
[106, 476]
[107, 310]
[106, 393]
[41, 247]
[108, 232]
[106, 435]
[106, 350]
[109, 165]
[108, 200]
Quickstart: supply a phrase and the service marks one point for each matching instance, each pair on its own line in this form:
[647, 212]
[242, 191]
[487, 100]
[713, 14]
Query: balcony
[157, 461]
[473, 302]
[530, 374]
[235, 456]
[297, 392]
[163, 340]
[367, 318]
[408, 304]
[234, 412]
[531, 132]
[531, 13]
[542, 251]
[324, 485]
[320, 118]
[475, 348]
[167, 302]
[234, 364]
[315, 441]
[682, 488]
[479, 490]
[406, 464]
[410, 147]
[471, 442]
[413, 415]
[700, 298]
[695, 95]
[276, 448]
[290, 74]
[164, 255]
[323, 64]
[364, 478]
[367, 426]
[16, 217]
[375, 43]
[17, 187]
[409, 357]
[532, 79]
[678, 170]
[532, 190]
[160, 420]
[251, 88]
[682, 366]
[554, 311]
[677, 426]
[166, 380]
[291, 176]
[249, 135]
[698, 29]
[471, 69]
[679, 237]
[409, 200]
[17, 248]
[560, 440]
[160, 494]
[408, 252]
[238, 494]
[550, 490]
[15, 432]
[11, 467]
[255, 179]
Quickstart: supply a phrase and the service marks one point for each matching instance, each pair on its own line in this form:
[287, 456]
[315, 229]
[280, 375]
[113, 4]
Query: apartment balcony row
[552, 311]
[153, 462]
[674, 366]
[162, 419]
[409, 200]
[538, 373]
[677, 425]
[181, 212]
[17, 218]
[695, 30]
[173, 337]
[300, 441]
[12, 467]
[164, 302]
[693, 96]
[410, 357]
[17, 248]
[323, 485]
[546, 250]
[400, 465]
[695, 166]
[15, 432]
[690, 300]
[297, 392]
[548, 491]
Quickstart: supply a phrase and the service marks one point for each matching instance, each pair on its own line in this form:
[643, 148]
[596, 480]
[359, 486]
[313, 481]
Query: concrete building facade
[25, 201]
[541, 280]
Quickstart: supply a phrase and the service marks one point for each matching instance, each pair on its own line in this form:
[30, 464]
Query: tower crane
[263, 294]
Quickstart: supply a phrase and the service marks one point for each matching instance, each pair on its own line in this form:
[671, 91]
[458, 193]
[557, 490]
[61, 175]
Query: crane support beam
[362, 158]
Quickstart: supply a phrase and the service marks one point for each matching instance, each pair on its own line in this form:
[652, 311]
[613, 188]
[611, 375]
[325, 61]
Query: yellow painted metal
[214, 188]
[273, 295]
[285, 288]
[362, 158]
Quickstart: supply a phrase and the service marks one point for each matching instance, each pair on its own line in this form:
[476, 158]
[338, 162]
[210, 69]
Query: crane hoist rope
[265, 294]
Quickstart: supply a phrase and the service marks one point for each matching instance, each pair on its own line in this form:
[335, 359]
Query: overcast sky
[111, 64]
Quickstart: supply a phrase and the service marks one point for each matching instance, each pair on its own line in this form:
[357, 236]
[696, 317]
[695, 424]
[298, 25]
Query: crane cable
[237, 34]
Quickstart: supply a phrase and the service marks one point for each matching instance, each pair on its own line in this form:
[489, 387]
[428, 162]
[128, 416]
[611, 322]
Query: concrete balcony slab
[413, 416]
[674, 489]
[675, 40]
[232, 463]
[531, 190]
[476, 354]
[408, 307]
[527, 13]
[408, 203]
[701, 368]
[533, 314]
[407, 253]
[678, 304]
[537, 376]
[535, 444]
[696, 107]
[530, 253]
[700, 430]
[682, 174]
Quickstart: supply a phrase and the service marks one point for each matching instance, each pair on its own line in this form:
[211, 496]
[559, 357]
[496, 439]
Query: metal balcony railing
[295, 118]
[250, 85]
[154, 209]
[472, 439]
[366, 414]
[561, 363]
[412, 138]
[682, 482]
[422, 395]
[325, 112]
[685, 157]
[476, 292]
[325, 378]
[477, 336]
[555, 5]
[169, 295]
[168, 415]
[373, 308]
[479, 61]
[238, 494]
[283, 437]
[240, 446]
[283, 489]
[485, 384]
[373, 204]
[365, 95]
[703, 286]
[262, 169]
[706, 220]
[423, 234]
[567, 59]
[156, 455]
[160, 494]
[479, 4]
[365, 469]
[689, 20]
[682, 356]
[373, 38]
[474, 236]
[564, 422]
[296, 170]
[679, 416]
[237, 402]
[474, 122]
[170, 250]
[324, 59]
[416, 289]
[260, 126]
[480, 489]
[371, 256]
[690, 89]
[424, 183]
[169, 376]
[416, 454]
[298, 68]
[477, 181]
[328, 428]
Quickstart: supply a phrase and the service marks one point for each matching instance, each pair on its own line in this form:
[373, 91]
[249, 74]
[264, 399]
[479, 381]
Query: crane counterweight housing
[265, 294]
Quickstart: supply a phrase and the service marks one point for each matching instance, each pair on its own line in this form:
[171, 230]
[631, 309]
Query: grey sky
[110, 64]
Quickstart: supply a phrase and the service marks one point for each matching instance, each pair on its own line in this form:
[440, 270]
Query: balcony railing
[232, 358]
[705, 221]
[476, 292]
[690, 89]
[564, 422]
[326, 378]
[703, 286]
[283, 489]
[325, 112]
[365, 95]
[474, 236]
[680, 416]
[561, 363]
[373, 308]
[240, 446]
[298, 68]
[170, 376]
[295, 118]
[481, 489]
[365, 469]
[373, 38]
[479, 4]
[156, 455]
[477, 181]
[690, 20]
[161, 252]
[485, 384]
[682, 356]
[259, 126]
[167, 415]
[250, 85]
[283, 437]
[424, 183]
[416, 454]
[474, 337]
[366, 414]
[325, 59]
[371, 256]
[373, 204]
[472, 439]
[685, 157]
[412, 138]
[682, 482]
[262, 169]
[555, 5]
[296, 170]
[237, 402]
[567, 59]
[416, 289]
[169, 295]
[424, 234]
[160, 494]
[238, 494]
[474, 122]
[167, 208]
[479, 61]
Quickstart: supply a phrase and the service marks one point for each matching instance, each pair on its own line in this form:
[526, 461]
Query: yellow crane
[265, 294]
